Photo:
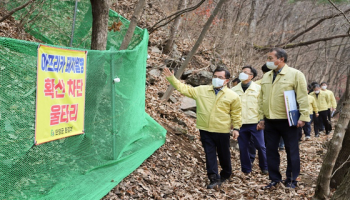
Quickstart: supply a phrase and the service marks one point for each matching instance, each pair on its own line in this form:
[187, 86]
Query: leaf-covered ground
[177, 171]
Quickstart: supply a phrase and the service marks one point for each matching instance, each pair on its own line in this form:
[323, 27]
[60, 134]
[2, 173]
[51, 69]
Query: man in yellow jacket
[264, 69]
[274, 117]
[218, 109]
[332, 106]
[313, 111]
[249, 93]
[322, 99]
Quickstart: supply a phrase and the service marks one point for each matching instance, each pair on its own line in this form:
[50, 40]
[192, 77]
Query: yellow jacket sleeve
[333, 101]
[236, 113]
[314, 105]
[328, 99]
[302, 97]
[260, 103]
[184, 89]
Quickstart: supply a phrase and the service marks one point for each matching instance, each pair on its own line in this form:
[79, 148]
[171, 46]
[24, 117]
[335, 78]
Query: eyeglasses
[220, 77]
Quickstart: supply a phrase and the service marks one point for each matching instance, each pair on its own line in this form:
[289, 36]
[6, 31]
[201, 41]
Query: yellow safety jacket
[258, 82]
[250, 102]
[215, 113]
[332, 102]
[322, 100]
[271, 101]
[312, 105]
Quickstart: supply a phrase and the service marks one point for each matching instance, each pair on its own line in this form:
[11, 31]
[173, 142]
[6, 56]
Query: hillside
[177, 169]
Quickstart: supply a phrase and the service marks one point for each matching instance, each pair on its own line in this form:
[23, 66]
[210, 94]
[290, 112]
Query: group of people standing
[255, 114]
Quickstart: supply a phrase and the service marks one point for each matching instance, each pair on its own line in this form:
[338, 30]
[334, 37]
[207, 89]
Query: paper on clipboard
[291, 107]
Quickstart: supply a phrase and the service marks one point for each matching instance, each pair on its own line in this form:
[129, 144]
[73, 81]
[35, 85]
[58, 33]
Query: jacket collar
[285, 69]
[251, 87]
[212, 88]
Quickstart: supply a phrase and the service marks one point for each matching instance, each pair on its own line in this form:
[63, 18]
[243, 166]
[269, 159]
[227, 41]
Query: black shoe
[264, 172]
[290, 185]
[317, 135]
[214, 182]
[222, 180]
[269, 186]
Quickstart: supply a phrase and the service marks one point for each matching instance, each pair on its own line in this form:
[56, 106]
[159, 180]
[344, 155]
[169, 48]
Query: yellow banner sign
[60, 94]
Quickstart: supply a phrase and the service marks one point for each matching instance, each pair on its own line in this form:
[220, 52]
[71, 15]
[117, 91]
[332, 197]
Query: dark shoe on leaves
[290, 185]
[214, 182]
[318, 135]
[264, 172]
[269, 186]
[223, 180]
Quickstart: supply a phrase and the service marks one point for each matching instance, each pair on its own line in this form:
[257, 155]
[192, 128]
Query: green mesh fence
[85, 166]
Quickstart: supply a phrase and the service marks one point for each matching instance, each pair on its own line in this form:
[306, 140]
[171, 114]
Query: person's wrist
[235, 129]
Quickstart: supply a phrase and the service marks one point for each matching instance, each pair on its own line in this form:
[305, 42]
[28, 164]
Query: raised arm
[184, 89]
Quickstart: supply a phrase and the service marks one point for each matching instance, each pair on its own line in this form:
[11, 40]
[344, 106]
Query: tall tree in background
[100, 10]
[206, 27]
[170, 42]
[130, 32]
[323, 181]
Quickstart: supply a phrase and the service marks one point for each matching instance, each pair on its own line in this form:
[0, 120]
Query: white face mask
[324, 87]
[243, 76]
[217, 82]
[271, 65]
[317, 91]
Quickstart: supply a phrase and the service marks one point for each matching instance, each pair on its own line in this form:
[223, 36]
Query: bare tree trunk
[342, 165]
[343, 192]
[252, 18]
[170, 43]
[130, 32]
[100, 10]
[194, 49]
[324, 177]
[16, 9]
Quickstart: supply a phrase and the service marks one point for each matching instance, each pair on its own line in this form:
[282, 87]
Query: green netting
[84, 166]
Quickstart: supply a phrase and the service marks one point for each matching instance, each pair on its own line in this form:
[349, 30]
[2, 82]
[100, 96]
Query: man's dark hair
[236, 80]
[316, 86]
[313, 84]
[310, 88]
[265, 69]
[222, 69]
[280, 53]
[254, 72]
[323, 83]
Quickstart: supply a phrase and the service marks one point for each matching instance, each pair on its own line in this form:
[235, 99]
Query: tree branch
[330, 1]
[291, 45]
[15, 10]
[172, 17]
[312, 27]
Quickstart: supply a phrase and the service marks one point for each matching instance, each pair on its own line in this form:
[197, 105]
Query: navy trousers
[247, 133]
[274, 130]
[306, 128]
[217, 143]
[321, 120]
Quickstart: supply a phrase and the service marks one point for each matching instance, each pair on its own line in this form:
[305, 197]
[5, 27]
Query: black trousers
[274, 130]
[322, 119]
[217, 143]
